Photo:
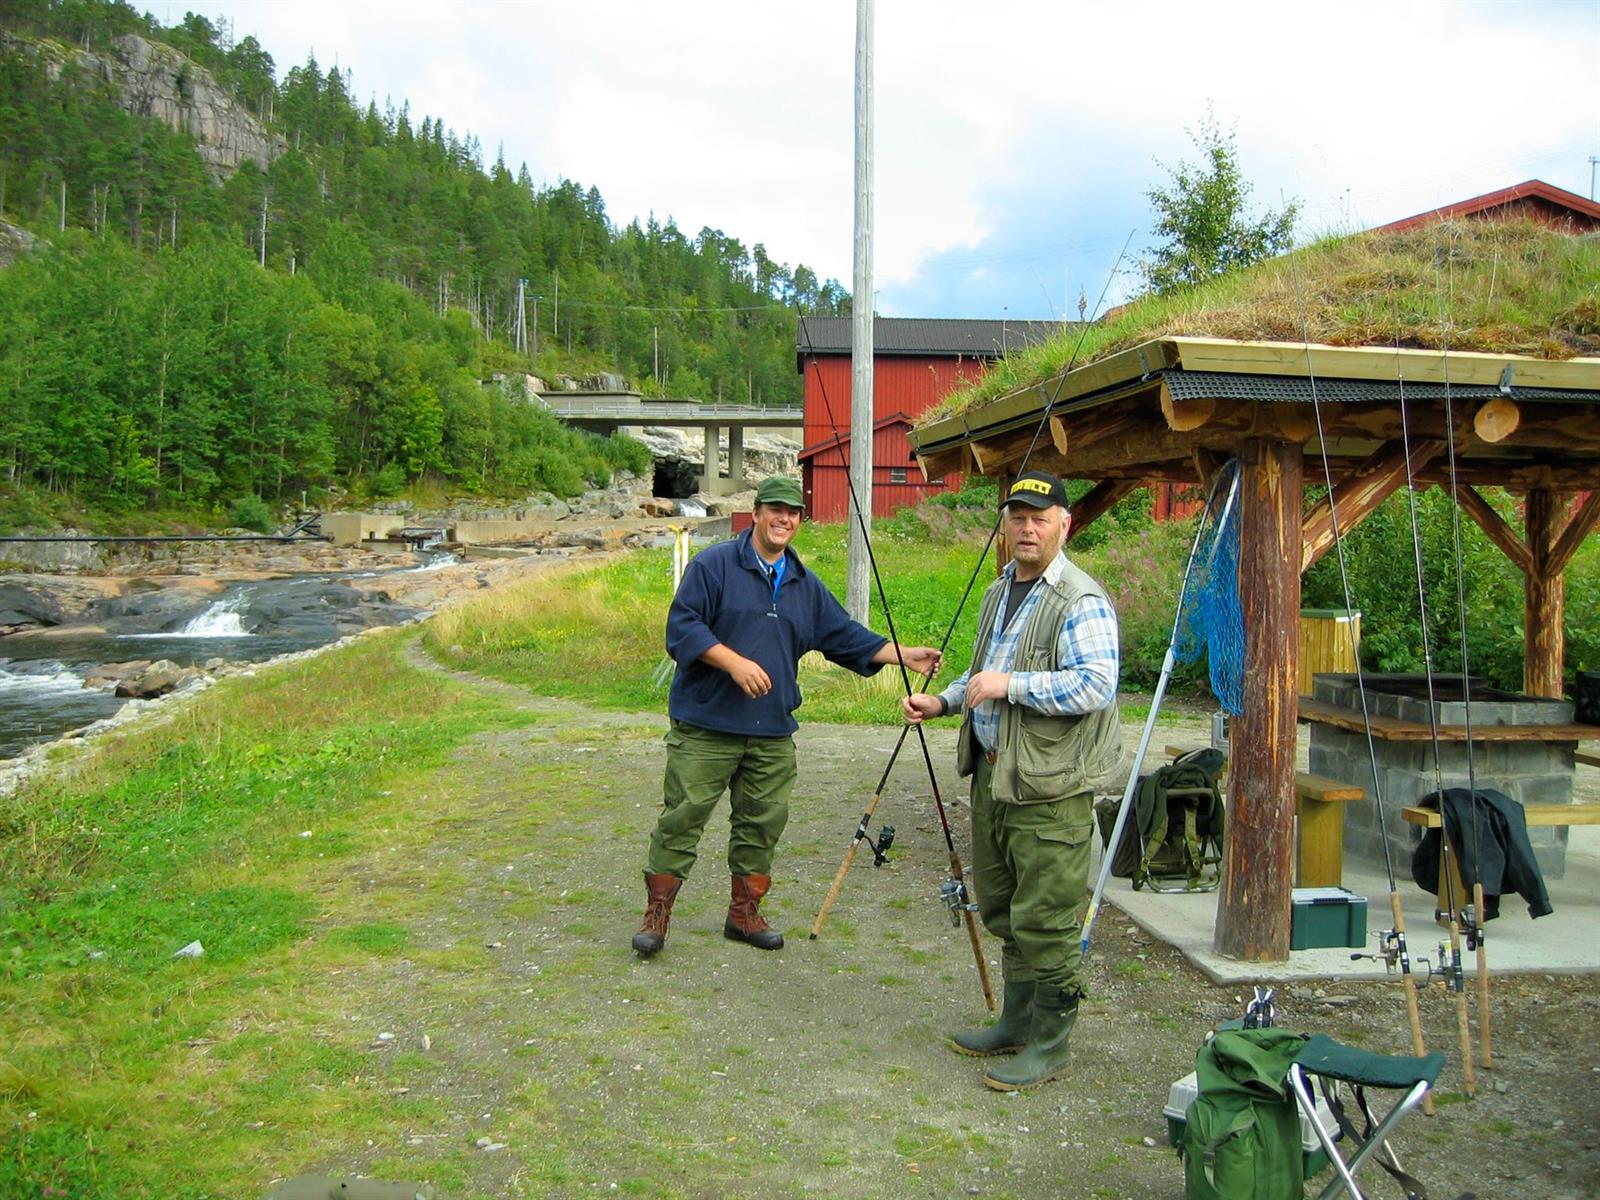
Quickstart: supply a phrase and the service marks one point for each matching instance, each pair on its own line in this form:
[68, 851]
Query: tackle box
[1182, 1094]
[1327, 916]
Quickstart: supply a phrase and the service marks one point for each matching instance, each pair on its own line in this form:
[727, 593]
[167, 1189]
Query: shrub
[251, 512]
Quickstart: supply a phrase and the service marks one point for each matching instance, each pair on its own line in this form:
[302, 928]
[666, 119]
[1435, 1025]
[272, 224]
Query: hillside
[152, 361]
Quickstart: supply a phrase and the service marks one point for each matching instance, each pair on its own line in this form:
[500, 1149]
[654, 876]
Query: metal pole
[858, 584]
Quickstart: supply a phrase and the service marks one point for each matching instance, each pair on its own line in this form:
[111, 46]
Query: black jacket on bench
[1500, 851]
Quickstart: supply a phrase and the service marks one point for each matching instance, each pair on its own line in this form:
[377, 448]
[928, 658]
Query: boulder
[159, 678]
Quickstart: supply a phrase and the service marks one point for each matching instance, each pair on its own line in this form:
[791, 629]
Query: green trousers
[1030, 876]
[758, 775]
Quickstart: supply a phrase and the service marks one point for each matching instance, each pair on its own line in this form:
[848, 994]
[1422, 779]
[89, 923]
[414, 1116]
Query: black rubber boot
[1009, 1033]
[1045, 1056]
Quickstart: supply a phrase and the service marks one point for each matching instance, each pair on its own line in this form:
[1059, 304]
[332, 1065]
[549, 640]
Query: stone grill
[1533, 772]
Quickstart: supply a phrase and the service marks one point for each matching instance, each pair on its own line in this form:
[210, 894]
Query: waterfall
[219, 620]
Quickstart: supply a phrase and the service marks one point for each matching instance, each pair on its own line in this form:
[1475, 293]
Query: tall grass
[597, 634]
[1504, 286]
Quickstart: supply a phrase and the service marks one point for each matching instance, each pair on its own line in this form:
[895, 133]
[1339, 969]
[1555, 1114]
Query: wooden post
[1545, 598]
[1254, 909]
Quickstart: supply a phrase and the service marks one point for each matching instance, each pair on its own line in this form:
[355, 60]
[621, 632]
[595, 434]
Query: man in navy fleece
[744, 614]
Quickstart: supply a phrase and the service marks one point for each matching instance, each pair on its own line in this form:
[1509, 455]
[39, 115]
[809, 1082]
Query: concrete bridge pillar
[708, 481]
[736, 458]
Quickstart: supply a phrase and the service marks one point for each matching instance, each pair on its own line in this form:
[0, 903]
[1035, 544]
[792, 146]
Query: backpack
[1174, 833]
[1241, 1138]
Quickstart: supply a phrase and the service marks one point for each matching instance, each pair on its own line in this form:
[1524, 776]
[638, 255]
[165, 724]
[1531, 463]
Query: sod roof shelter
[1176, 408]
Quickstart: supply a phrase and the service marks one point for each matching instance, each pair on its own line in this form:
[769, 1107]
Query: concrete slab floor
[1565, 942]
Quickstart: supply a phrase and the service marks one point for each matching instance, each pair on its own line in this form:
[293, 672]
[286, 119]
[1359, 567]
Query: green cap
[780, 489]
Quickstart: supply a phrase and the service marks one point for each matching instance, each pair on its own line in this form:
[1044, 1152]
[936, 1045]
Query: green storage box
[1327, 916]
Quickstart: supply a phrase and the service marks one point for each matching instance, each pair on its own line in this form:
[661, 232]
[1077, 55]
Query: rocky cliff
[153, 80]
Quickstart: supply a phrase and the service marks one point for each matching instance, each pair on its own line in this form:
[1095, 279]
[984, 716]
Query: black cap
[1039, 489]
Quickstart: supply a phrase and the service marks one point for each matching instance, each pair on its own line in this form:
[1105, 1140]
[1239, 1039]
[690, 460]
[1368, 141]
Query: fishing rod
[1476, 928]
[954, 891]
[1230, 472]
[1393, 948]
[1454, 975]
[977, 566]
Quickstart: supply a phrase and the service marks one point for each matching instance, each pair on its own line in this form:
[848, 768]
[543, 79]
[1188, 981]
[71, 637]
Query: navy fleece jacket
[726, 596]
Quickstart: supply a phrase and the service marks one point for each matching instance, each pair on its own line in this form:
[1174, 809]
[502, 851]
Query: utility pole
[655, 354]
[858, 580]
[1593, 161]
[522, 318]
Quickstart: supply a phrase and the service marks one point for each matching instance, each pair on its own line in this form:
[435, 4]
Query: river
[42, 691]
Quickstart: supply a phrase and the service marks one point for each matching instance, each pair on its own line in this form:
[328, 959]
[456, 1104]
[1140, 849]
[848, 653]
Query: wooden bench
[1586, 757]
[1319, 813]
[1557, 815]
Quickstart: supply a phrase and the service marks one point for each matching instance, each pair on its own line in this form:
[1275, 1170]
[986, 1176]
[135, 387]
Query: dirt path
[541, 1057]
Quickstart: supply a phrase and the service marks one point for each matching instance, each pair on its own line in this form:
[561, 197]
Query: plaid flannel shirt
[1087, 654]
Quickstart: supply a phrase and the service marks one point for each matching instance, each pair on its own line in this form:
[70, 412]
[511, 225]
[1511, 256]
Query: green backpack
[1242, 1136]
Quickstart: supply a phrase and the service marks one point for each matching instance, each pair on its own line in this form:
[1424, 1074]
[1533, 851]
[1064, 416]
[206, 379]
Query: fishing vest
[1043, 756]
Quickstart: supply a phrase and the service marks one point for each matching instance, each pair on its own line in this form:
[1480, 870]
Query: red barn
[1535, 200]
[916, 363]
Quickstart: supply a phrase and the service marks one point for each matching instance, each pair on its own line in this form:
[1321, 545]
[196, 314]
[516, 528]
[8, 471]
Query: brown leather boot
[745, 923]
[661, 891]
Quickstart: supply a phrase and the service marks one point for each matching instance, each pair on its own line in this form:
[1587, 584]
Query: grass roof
[1506, 287]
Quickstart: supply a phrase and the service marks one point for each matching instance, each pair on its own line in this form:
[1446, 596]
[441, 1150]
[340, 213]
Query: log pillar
[1253, 910]
[1544, 598]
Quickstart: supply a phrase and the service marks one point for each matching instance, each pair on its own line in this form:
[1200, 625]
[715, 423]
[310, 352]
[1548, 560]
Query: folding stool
[1333, 1062]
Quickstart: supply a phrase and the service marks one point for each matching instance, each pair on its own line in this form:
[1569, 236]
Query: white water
[220, 620]
[45, 678]
[688, 508]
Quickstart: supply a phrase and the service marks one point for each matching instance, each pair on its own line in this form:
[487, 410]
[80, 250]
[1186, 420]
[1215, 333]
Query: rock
[14, 243]
[657, 507]
[157, 679]
[23, 607]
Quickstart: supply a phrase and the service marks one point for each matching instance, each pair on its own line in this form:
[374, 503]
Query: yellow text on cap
[1030, 485]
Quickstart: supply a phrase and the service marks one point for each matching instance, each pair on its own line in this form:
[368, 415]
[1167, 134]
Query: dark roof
[923, 336]
[1583, 212]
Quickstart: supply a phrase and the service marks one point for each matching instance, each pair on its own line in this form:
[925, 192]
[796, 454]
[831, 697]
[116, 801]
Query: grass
[228, 826]
[595, 634]
[1509, 287]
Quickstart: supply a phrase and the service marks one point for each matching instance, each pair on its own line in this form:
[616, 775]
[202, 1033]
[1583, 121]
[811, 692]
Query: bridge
[607, 412]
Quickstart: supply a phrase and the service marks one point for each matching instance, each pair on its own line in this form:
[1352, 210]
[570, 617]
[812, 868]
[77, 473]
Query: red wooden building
[916, 362]
[1534, 200]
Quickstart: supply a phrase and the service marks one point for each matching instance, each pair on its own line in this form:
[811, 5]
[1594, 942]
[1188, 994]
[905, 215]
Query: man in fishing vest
[745, 612]
[1039, 725]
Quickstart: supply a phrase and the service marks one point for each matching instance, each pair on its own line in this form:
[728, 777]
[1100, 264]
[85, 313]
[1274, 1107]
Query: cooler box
[1314, 1157]
[1327, 916]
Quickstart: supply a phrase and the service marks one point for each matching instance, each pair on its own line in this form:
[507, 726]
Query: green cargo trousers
[758, 775]
[1030, 876]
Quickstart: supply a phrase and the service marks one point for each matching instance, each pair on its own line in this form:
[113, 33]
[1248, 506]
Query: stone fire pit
[1532, 771]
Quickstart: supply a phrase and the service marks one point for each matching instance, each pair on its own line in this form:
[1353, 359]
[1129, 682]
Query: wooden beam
[1185, 415]
[942, 463]
[1580, 476]
[993, 454]
[1358, 494]
[1098, 500]
[1253, 910]
[1475, 506]
[1497, 419]
[1544, 603]
[1579, 526]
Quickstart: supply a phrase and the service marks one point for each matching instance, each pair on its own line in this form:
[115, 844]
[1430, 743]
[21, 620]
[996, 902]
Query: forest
[183, 338]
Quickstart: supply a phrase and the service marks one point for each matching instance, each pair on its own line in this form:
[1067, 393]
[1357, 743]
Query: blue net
[1212, 620]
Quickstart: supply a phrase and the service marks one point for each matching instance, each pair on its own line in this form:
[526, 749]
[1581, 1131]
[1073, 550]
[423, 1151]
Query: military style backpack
[1241, 1139]
[1172, 840]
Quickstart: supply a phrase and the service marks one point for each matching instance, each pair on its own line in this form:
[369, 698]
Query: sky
[1014, 140]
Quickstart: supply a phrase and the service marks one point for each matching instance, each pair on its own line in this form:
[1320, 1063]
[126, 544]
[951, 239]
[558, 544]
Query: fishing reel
[1392, 951]
[879, 848]
[953, 892]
